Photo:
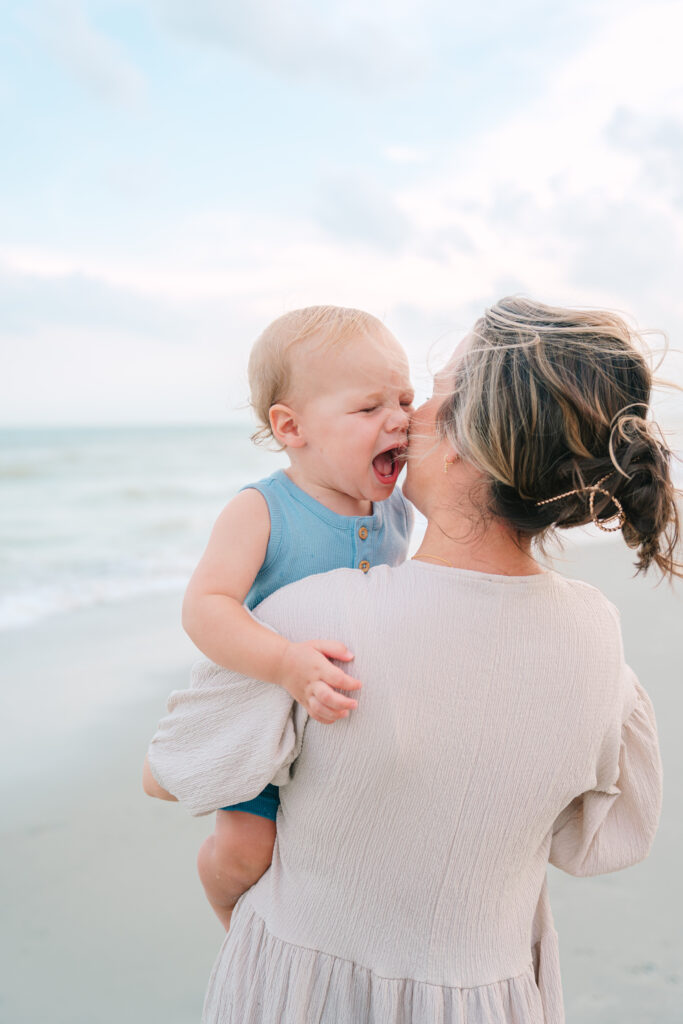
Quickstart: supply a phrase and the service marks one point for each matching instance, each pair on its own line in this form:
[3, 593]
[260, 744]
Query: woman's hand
[307, 674]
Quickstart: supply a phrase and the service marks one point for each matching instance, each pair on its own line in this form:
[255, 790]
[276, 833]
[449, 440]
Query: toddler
[331, 386]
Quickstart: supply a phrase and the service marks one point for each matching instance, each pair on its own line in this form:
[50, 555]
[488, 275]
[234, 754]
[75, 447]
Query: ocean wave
[156, 492]
[96, 518]
[21, 609]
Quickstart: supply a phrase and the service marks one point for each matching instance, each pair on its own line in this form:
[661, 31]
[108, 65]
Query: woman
[498, 727]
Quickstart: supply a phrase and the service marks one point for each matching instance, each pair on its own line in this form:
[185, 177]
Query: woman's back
[414, 836]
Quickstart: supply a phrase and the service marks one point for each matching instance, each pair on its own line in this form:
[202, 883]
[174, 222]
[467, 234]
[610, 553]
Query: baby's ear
[285, 425]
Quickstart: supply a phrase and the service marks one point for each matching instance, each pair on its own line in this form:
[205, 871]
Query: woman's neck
[490, 548]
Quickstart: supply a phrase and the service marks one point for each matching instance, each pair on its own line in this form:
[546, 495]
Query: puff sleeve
[613, 825]
[224, 739]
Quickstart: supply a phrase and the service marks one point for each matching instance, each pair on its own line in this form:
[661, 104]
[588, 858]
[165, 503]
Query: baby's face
[354, 409]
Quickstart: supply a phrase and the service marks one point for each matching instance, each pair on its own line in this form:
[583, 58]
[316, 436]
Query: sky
[176, 175]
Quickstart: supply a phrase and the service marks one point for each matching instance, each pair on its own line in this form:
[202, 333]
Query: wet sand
[104, 919]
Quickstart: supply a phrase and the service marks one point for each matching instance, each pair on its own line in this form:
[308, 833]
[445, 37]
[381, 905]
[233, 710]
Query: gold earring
[448, 461]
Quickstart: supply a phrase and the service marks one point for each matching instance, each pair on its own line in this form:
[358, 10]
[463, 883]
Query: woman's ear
[285, 425]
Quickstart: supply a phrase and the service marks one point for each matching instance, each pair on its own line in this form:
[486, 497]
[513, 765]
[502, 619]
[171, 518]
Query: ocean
[94, 515]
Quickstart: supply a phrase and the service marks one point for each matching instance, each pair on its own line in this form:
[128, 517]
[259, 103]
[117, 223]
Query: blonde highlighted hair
[546, 401]
[271, 363]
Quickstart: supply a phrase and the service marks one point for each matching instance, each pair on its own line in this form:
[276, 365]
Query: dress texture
[498, 729]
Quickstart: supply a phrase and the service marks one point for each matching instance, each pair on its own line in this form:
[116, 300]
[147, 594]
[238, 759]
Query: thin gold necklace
[436, 559]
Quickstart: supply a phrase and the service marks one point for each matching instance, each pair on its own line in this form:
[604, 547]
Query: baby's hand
[313, 680]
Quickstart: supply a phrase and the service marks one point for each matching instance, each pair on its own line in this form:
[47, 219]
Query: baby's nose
[399, 420]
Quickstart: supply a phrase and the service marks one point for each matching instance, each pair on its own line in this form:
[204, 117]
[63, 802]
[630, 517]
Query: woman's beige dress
[498, 729]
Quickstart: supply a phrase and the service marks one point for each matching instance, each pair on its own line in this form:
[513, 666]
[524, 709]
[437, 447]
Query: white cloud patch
[354, 43]
[89, 55]
[387, 43]
[578, 194]
[78, 300]
[657, 143]
[353, 207]
[405, 155]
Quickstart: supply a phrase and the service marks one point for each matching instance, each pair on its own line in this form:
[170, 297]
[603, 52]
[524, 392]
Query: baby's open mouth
[388, 464]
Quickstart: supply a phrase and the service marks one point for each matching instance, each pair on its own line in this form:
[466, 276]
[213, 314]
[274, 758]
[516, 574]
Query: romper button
[363, 532]
[364, 565]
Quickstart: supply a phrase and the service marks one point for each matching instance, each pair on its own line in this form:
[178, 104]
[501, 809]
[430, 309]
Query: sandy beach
[104, 918]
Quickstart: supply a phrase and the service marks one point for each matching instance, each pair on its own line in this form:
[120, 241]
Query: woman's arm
[224, 740]
[613, 826]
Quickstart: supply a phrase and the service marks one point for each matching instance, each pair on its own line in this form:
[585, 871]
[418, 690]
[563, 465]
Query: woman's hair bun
[552, 405]
[647, 493]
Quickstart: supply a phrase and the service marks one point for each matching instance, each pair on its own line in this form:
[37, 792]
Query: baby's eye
[371, 408]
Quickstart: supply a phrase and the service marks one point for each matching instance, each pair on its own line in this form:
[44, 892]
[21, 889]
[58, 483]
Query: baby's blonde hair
[270, 362]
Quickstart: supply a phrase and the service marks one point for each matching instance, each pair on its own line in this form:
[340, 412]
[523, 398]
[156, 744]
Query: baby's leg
[234, 858]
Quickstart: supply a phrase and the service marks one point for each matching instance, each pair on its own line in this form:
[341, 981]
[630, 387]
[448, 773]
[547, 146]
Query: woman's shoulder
[586, 596]
[327, 599]
[345, 596]
[413, 575]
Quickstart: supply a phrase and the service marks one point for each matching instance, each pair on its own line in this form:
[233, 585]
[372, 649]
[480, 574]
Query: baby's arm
[216, 620]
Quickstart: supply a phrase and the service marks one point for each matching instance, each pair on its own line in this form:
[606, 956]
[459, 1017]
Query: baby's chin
[378, 491]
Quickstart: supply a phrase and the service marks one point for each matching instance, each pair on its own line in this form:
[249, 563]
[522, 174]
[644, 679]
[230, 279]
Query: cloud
[573, 199]
[88, 54]
[355, 44]
[76, 348]
[77, 300]
[577, 194]
[355, 208]
[405, 154]
[387, 46]
[657, 143]
[621, 243]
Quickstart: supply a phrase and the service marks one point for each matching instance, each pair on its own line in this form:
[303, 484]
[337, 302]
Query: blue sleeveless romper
[307, 538]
